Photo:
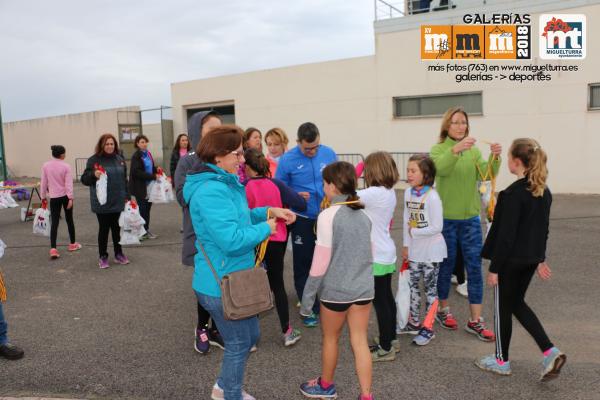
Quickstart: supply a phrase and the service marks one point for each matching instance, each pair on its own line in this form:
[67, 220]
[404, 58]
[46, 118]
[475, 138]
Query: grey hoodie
[189, 163]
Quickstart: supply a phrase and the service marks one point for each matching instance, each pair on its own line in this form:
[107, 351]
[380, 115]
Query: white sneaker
[217, 394]
[462, 289]
[454, 280]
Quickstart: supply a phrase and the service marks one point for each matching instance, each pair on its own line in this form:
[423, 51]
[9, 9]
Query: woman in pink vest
[277, 142]
[261, 191]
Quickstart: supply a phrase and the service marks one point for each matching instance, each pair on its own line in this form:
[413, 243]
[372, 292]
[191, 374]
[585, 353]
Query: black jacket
[520, 229]
[175, 156]
[116, 171]
[139, 178]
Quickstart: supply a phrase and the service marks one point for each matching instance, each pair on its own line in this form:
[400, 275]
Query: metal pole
[3, 171]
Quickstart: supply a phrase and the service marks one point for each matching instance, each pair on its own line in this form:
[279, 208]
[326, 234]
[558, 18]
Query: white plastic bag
[132, 224]
[7, 200]
[101, 185]
[403, 298]
[160, 190]
[41, 221]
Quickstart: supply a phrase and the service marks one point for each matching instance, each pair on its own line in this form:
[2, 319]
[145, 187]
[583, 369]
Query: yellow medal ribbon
[2, 289]
[262, 248]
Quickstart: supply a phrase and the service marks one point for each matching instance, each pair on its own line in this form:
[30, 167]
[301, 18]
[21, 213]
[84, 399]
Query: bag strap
[209, 263]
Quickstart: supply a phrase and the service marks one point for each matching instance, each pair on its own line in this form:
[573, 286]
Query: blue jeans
[466, 234]
[3, 327]
[239, 337]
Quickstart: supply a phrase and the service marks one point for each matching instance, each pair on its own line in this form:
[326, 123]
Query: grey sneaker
[552, 364]
[395, 343]
[150, 235]
[424, 337]
[489, 363]
[409, 329]
[380, 354]
[291, 337]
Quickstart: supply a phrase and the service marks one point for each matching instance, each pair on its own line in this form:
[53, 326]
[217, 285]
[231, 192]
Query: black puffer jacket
[116, 171]
[138, 177]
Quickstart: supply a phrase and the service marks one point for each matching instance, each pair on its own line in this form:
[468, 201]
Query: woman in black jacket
[143, 171]
[107, 156]
[181, 148]
[516, 247]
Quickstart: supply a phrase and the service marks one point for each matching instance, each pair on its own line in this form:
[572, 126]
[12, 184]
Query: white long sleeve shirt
[425, 241]
[380, 204]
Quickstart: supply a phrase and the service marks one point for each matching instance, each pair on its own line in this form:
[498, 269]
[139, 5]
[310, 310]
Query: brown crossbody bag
[245, 293]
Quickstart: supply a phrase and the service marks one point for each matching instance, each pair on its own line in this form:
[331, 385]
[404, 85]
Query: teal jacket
[223, 223]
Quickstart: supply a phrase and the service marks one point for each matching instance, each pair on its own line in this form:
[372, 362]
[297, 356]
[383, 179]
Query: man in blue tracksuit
[301, 168]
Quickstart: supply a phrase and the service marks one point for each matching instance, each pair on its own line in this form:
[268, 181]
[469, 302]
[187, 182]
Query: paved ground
[127, 332]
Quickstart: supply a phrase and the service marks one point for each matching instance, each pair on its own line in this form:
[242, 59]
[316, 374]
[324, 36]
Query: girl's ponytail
[534, 160]
[354, 197]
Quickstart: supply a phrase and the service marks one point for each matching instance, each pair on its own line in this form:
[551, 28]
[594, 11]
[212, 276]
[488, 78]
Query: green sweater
[456, 179]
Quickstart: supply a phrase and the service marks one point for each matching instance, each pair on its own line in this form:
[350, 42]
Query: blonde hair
[381, 170]
[279, 134]
[447, 118]
[530, 153]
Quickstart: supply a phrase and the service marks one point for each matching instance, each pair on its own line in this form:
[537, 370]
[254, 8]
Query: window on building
[436, 105]
[227, 113]
[594, 96]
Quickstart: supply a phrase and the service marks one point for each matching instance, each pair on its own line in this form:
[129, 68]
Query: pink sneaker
[54, 254]
[103, 263]
[74, 246]
[121, 259]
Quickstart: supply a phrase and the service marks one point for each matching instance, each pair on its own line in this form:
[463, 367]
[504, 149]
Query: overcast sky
[61, 57]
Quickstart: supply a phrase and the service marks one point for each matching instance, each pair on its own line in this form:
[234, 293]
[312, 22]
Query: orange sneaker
[74, 246]
[54, 254]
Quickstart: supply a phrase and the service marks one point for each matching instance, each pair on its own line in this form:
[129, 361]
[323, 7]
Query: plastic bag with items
[41, 221]
[160, 190]
[132, 224]
[101, 185]
[6, 200]
[403, 297]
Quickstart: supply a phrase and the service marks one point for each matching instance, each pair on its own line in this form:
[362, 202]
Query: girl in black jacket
[516, 247]
[181, 148]
[143, 171]
[107, 156]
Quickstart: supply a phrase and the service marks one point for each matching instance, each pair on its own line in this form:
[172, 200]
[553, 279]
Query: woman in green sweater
[459, 166]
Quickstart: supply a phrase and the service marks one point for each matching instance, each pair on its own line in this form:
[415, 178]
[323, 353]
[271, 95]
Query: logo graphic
[562, 36]
[436, 42]
[469, 42]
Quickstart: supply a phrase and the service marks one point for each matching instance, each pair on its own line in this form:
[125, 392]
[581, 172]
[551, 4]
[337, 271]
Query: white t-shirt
[425, 243]
[380, 204]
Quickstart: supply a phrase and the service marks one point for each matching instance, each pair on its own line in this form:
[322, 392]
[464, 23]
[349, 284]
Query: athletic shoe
[54, 254]
[409, 329]
[103, 262]
[215, 339]
[446, 319]
[379, 354]
[253, 349]
[478, 328]
[311, 321]
[424, 337]
[298, 304]
[218, 394]
[121, 259]
[454, 280]
[11, 352]
[462, 290]
[74, 246]
[371, 397]
[201, 341]
[291, 337]
[395, 344]
[490, 363]
[552, 364]
[151, 236]
[313, 389]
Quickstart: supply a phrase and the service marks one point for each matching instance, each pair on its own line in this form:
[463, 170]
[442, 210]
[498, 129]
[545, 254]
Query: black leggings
[55, 207]
[204, 318]
[145, 207]
[274, 262]
[513, 282]
[108, 223]
[385, 309]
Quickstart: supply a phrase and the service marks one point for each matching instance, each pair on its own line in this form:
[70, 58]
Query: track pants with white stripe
[509, 299]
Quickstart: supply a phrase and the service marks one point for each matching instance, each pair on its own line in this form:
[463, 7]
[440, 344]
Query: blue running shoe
[489, 363]
[313, 390]
[552, 364]
[311, 321]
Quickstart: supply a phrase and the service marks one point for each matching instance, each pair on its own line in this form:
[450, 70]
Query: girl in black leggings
[516, 246]
[263, 191]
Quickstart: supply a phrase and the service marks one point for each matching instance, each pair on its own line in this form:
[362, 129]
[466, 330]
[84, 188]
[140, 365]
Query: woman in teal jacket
[229, 231]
